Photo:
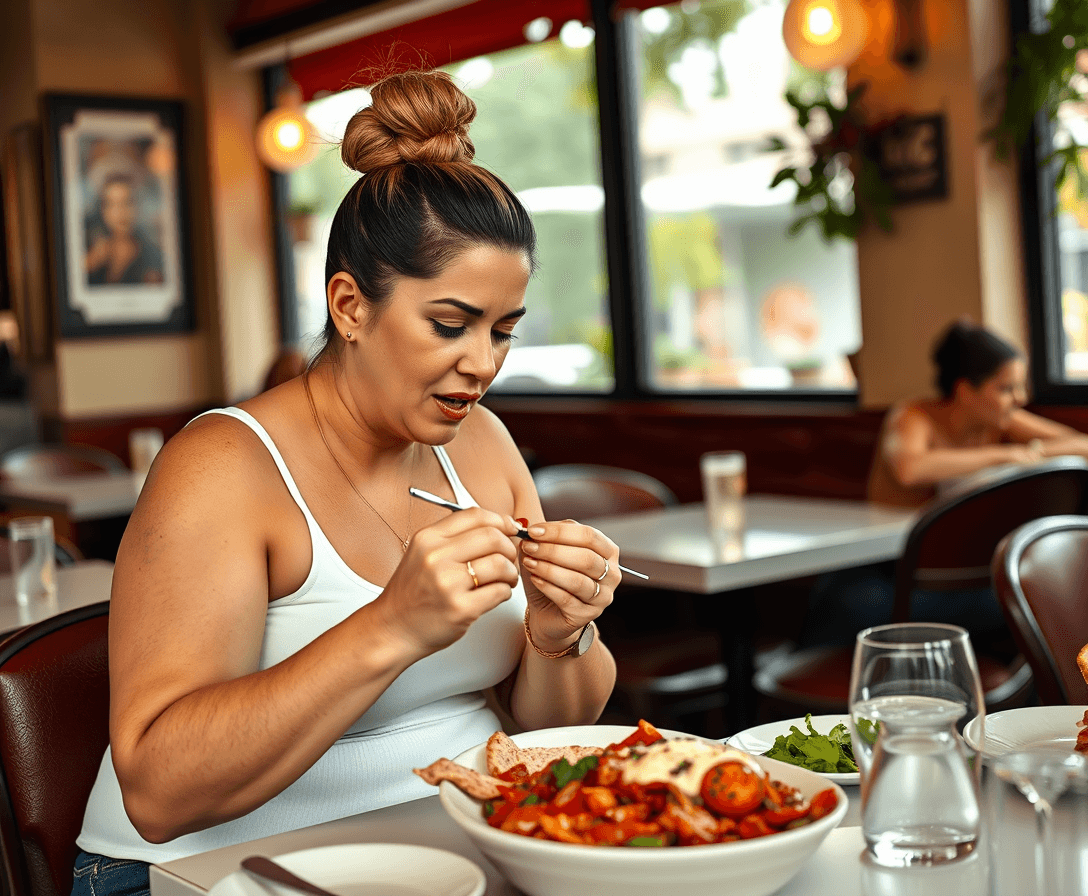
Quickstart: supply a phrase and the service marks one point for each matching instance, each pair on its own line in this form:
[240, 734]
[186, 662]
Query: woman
[977, 423]
[119, 251]
[291, 633]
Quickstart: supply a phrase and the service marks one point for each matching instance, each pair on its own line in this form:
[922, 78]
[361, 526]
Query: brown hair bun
[414, 117]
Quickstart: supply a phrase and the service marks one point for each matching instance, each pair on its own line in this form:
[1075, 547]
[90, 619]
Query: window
[726, 301]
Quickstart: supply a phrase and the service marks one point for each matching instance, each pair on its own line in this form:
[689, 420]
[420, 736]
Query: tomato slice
[732, 789]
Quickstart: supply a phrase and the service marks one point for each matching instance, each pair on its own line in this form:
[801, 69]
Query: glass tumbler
[725, 482]
[33, 567]
[913, 687]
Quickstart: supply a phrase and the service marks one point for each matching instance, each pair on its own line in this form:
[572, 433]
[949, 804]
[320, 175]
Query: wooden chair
[949, 548]
[57, 459]
[54, 729]
[1040, 575]
[669, 670]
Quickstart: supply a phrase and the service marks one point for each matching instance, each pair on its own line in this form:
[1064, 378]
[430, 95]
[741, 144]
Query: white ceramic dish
[760, 739]
[368, 869]
[1026, 728]
[545, 868]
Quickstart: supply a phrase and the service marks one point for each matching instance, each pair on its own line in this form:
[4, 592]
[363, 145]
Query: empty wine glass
[913, 688]
[1038, 821]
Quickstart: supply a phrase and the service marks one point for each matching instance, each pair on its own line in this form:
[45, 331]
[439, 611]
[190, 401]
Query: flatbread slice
[474, 783]
[503, 754]
[1082, 661]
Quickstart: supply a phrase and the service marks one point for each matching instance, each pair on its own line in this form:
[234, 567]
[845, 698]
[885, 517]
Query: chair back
[54, 729]
[951, 545]
[582, 491]
[1041, 579]
[57, 459]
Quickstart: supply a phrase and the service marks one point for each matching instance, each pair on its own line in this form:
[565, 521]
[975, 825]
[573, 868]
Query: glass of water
[913, 688]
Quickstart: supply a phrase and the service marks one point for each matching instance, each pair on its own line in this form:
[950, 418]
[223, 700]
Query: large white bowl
[547, 868]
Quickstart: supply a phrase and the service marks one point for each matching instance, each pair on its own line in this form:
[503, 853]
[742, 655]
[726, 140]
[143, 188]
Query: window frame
[616, 56]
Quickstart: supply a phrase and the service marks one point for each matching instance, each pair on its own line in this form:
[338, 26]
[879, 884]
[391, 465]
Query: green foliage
[839, 141]
[1041, 75]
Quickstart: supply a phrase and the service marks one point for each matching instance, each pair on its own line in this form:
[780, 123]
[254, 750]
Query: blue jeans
[95, 875]
[844, 602]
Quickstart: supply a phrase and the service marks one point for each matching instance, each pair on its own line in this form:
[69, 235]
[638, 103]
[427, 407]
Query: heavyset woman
[976, 423]
[291, 633]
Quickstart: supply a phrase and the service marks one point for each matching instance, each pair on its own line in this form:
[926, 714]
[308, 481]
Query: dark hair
[421, 200]
[969, 352]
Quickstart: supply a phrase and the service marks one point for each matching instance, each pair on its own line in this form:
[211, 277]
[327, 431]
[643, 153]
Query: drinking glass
[33, 567]
[1037, 816]
[913, 687]
[725, 481]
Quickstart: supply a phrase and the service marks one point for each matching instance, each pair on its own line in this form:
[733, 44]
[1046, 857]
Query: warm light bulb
[285, 137]
[825, 34]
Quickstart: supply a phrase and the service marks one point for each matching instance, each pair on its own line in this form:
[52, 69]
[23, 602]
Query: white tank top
[434, 708]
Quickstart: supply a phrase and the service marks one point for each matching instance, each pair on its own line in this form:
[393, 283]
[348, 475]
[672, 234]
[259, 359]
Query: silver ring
[596, 590]
[472, 572]
[603, 574]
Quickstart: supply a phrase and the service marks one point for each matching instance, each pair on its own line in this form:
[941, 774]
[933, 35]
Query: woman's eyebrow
[478, 312]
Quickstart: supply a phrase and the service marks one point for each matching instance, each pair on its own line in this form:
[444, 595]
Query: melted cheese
[682, 763]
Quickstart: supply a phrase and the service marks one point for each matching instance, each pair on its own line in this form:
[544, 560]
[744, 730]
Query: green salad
[828, 753]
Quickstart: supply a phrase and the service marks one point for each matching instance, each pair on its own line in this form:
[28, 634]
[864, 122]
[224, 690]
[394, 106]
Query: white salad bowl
[755, 867]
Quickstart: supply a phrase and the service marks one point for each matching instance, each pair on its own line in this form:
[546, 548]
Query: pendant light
[285, 138]
[825, 34]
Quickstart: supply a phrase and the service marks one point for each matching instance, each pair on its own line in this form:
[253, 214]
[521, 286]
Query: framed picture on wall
[118, 216]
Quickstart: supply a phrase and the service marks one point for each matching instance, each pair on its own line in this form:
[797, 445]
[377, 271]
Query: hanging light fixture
[285, 137]
[825, 34]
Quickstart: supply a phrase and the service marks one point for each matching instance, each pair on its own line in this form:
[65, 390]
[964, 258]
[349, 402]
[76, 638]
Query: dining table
[781, 538]
[82, 497]
[839, 866]
[80, 584]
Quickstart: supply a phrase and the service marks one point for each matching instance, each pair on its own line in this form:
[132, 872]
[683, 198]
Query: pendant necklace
[343, 472]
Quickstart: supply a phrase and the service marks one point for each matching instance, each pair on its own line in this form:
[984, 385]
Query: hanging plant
[841, 187]
[1047, 70]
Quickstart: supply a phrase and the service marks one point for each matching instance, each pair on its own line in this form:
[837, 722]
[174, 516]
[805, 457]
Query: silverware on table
[521, 533]
[264, 868]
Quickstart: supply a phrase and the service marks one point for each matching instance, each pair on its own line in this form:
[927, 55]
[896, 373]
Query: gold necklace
[343, 472]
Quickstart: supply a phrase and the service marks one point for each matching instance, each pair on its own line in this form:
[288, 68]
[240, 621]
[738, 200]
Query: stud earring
[347, 335]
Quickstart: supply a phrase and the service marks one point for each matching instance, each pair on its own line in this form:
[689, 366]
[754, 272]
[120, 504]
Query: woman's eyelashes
[447, 332]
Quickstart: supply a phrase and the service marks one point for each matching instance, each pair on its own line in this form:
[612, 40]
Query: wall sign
[912, 157]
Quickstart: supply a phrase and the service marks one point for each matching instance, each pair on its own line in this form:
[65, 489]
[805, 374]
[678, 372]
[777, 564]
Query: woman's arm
[907, 445]
[1047, 437]
[200, 735]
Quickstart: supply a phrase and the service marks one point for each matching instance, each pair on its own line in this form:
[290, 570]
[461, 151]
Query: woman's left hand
[573, 572]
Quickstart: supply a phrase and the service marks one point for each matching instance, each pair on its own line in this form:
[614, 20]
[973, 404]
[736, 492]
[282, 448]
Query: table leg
[736, 617]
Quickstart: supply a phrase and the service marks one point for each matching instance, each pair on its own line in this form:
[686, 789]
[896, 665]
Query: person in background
[290, 632]
[976, 423]
[119, 250]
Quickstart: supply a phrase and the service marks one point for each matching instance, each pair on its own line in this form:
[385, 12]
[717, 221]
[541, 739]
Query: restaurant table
[837, 866]
[82, 498]
[82, 583]
[783, 538]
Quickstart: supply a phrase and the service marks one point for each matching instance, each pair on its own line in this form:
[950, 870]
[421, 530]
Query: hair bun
[414, 117]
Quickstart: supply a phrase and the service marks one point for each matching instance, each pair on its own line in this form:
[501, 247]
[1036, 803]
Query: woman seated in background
[290, 632]
[978, 422]
[925, 445]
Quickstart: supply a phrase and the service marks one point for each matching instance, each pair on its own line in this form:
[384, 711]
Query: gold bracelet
[544, 653]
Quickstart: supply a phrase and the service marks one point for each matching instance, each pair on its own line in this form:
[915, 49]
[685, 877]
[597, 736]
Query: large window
[725, 301]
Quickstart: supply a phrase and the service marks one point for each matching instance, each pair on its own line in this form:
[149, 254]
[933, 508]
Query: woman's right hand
[431, 599]
[1023, 454]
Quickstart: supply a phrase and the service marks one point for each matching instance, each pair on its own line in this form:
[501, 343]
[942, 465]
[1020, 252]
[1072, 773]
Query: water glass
[725, 482]
[143, 445]
[913, 687]
[1037, 818]
[33, 567]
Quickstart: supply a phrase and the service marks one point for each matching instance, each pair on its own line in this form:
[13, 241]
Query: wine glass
[913, 688]
[1044, 847]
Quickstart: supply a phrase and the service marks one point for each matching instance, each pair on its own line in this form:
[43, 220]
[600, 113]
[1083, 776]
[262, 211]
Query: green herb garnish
[563, 772]
[654, 840]
[827, 753]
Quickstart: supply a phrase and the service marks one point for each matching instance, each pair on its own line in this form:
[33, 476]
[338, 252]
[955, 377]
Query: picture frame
[119, 221]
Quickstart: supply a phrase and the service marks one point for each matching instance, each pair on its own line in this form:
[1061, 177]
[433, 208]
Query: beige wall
[944, 259]
[162, 48]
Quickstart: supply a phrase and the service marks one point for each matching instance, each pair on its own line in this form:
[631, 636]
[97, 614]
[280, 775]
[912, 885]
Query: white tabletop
[83, 583]
[784, 538]
[837, 866]
[88, 496]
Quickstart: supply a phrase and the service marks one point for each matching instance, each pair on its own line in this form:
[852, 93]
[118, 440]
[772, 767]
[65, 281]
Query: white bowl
[546, 868]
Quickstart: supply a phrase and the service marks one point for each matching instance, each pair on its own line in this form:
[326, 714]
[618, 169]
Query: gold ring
[472, 572]
[603, 574]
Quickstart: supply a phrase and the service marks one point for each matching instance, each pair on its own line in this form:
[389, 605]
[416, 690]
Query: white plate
[760, 739]
[1026, 728]
[368, 869]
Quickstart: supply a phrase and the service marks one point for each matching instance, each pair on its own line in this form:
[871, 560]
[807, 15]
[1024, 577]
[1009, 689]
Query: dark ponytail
[969, 352]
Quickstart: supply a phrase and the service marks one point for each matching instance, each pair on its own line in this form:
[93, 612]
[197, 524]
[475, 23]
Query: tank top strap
[251, 421]
[463, 497]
